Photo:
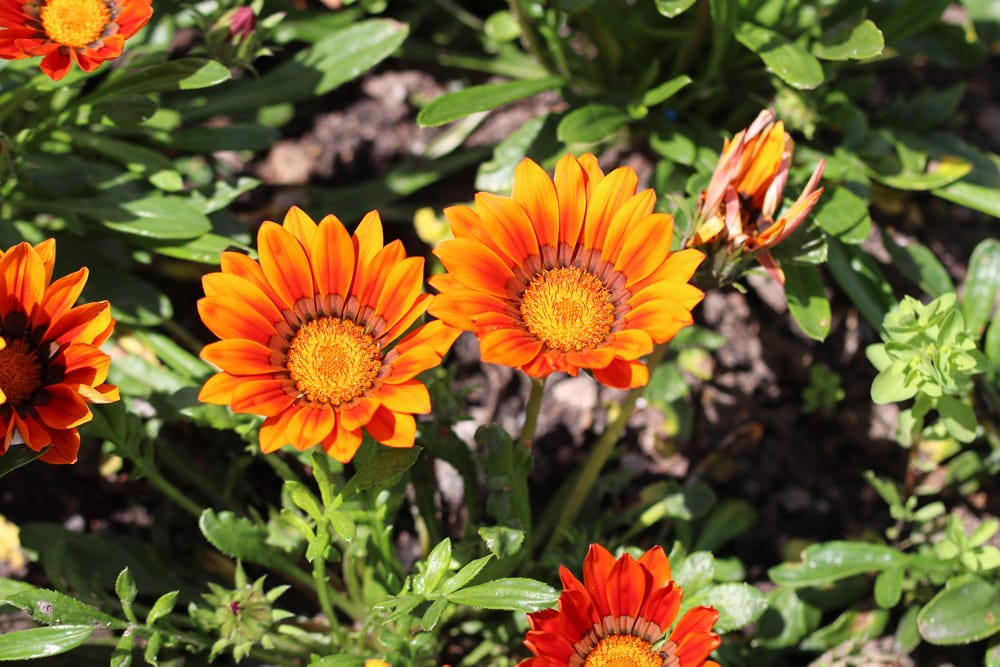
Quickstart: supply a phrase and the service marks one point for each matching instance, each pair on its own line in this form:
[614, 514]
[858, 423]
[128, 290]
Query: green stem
[531, 39]
[323, 588]
[180, 498]
[599, 456]
[532, 410]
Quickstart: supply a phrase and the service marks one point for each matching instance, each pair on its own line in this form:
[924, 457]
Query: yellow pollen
[75, 23]
[20, 372]
[568, 309]
[333, 361]
[623, 651]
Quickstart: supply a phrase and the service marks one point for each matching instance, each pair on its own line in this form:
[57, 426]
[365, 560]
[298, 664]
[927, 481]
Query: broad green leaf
[510, 594]
[695, 572]
[665, 90]
[739, 605]
[927, 109]
[238, 537]
[133, 300]
[843, 214]
[890, 385]
[672, 8]
[206, 249]
[468, 572]
[991, 342]
[459, 104]
[377, 466]
[792, 63]
[829, 561]
[183, 74]
[937, 174]
[313, 71]
[153, 217]
[727, 520]
[862, 280]
[889, 587]
[918, 263]
[907, 635]
[151, 165]
[502, 541]
[958, 418]
[55, 608]
[17, 457]
[852, 625]
[856, 42]
[982, 285]
[590, 123]
[807, 300]
[42, 642]
[438, 561]
[787, 619]
[961, 613]
[162, 607]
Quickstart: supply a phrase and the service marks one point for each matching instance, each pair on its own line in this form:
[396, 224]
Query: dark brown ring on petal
[635, 626]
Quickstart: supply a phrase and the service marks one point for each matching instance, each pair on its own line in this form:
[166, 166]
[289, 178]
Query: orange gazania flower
[618, 616]
[305, 335]
[51, 366]
[736, 214]
[86, 32]
[567, 275]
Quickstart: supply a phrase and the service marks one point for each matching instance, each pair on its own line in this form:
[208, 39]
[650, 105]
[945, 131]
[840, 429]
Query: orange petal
[392, 429]
[656, 561]
[506, 222]
[89, 323]
[402, 287]
[64, 449]
[356, 415]
[240, 265]
[22, 279]
[508, 347]
[300, 225]
[622, 374]
[536, 194]
[258, 395]
[342, 444]
[571, 191]
[332, 257]
[229, 317]
[596, 573]
[626, 587]
[630, 344]
[367, 238]
[645, 248]
[284, 263]
[411, 397]
[624, 222]
[605, 200]
[218, 389]
[64, 409]
[228, 285]
[475, 266]
[239, 356]
[596, 358]
[63, 293]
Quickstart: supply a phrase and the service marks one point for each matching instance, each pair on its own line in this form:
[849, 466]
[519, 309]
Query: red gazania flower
[736, 214]
[306, 334]
[51, 366]
[86, 32]
[567, 275]
[620, 615]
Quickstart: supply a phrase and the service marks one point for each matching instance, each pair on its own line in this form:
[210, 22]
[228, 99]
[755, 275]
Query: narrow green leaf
[982, 284]
[918, 263]
[665, 90]
[590, 123]
[468, 572]
[510, 594]
[183, 74]
[438, 561]
[459, 104]
[889, 587]
[792, 63]
[862, 280]
[431, 617]
[42, 642]
[807, 300]
[162, 607]
[55, 608]
[672, 8]
[852, 625]
[961, 613]
[727, 520]
[152, 652]
[830, 561]
[856, 42]
[151, 165]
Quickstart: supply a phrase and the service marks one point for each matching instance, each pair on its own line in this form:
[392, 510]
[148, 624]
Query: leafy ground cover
[814, 452]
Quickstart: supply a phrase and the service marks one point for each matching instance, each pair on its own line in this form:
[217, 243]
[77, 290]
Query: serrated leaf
[238, 537]
[502, 541]
[468, 572]
[510, 594]
[829, 561]
[962, 613]
[431, 617]
[438, 561]
[807, 300]
[856, 42]
[55, 608]
[162, 607]
[590, 123]
[452, 106]
[36, 643]
[377, 466]
[792, 63]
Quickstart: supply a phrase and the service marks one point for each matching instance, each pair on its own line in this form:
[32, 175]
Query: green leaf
[304, 499]
[672, 8]
[590, 123]
[907, 635]
[991, 342]
[42, 642]
[852, 625]
[856, 42]
[982, 284]
[233, 137]
[162, 607]
[958, 418]
[890, 386]
[843, 214]
[239, 538]
[378, 467]
[510, 594]
[502, 541]
[727, 520]
[862, 280]
[438, 562]
[937, 174]
[152, 651]
[961, 613]
[154, 216]
[125, 588]
[459, 104]
[792, 63]
[918, 263]
[739, 605]
[316, 70]
[665, 90]
[133, 300]
[977, 189]
[807, 300]
[695, 572]
[55, 608]
[182, 74]
[468, 572]
[787, 619]
[433, 614]
[830, 561]
[151, 165]
[889, 587]
[17, 457]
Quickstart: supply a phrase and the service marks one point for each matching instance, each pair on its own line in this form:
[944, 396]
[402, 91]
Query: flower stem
[323, 589]
[180, 498]
[532, 410]
[599, 456]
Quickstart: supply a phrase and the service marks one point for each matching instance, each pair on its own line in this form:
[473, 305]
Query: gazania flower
[567, 275]
[306, 334]
[619, 615]
[736, 214]
[51, 366]
[86, 32]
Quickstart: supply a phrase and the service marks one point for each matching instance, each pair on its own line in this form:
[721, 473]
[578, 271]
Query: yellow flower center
[623, 651]
[20, 372]
[333, 361]
[568, 309]
[75, 23]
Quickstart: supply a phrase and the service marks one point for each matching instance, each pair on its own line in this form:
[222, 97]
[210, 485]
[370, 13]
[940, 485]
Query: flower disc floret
[333, 361]
[75, 23]
[567, 309]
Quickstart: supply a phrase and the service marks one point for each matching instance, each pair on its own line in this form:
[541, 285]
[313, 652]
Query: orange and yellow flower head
[63, 32]
[568, 273]
[51, 365]
[736, 214]
[618, 615]
[306, 335]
